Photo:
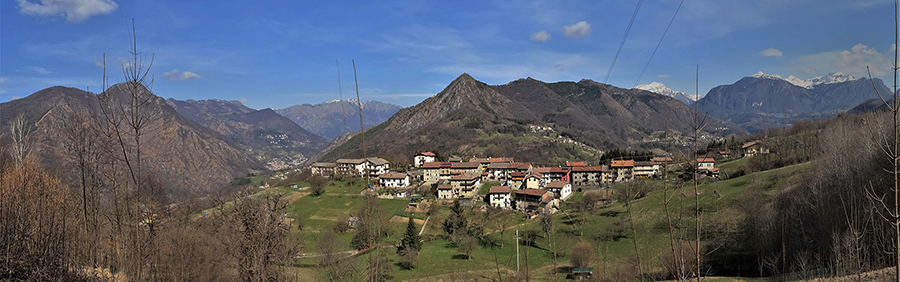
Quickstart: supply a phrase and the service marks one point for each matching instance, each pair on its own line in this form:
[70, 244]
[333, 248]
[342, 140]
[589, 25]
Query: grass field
[614, 254]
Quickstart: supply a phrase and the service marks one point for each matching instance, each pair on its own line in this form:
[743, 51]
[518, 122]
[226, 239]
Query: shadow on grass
[460, 256]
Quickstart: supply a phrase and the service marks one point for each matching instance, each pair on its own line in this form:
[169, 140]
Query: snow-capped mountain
[831, 78]
[661, 89]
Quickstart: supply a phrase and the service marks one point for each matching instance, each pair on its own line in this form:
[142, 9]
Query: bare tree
[18, 129]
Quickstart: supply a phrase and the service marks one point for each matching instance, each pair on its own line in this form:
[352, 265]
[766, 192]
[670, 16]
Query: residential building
[465, 168]
[645, 170]
[534, 200]
[351, 167]
[516, 179]
[395, 180]
[422, 158]
[445, 192]
[323, 169]
[533, 181]
[497, 171]
[576, 164]
[465, 185]
[499, 196]
[587, 176]
[436, 171]
[561, 189]
[704, 164]
[623, 170]
[753, 148]
[377, 166]
[559, 174]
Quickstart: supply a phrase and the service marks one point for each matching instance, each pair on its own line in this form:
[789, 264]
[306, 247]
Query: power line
[657, 44]
[627, 30]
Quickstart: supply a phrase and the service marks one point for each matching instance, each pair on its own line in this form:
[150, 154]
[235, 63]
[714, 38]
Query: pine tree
[411, 239]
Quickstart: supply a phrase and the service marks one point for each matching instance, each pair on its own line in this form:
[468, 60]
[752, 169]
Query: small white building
[377, 166]
[706, 163]
[396, 180]
[561, 189]
[499, 197]
[422, 158]
[445, 192]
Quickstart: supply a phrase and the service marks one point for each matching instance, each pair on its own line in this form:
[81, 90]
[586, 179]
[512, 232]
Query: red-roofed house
[445, 192]
[464, 185]
[533, 181]
[645, 169]
[623, 170]
[588, 175]
[435, 171]
[499, 197]
[516, 179]
[422, 158]
[574, 164]
[498, 171]
[559, 174]
[705, 163]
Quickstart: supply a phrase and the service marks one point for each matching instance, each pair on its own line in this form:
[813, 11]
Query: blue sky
[280, 53]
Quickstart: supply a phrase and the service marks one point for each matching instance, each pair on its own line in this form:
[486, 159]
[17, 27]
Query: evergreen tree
[411, 238]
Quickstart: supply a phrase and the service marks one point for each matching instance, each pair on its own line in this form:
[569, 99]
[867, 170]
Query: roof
[559, 170]
[377, 161]
[537, 175]
[498, 165]
[350, 161]
[622, 163]
[455, 159]
[576, 163]
[541, 170]
[445, 187]
[517, 174]
[435, 164]
[748, 144]
[324, 164]
[557, 184]
[465, 165]
[398, 175]
[644, 163]
[661, 159]
[714, 170]
[479, 160]
[726, 152]
[463, 177]
[705, 160]
[519, 165]
[428, 154]
[501, 160]
[499, 190]
[532, 192]
[587, 168]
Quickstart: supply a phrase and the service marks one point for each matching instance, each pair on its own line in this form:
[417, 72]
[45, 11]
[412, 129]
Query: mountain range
[262, 134]
[661, 89]
[470, 118]
[765, 100]
[336, 118]
[184, 155]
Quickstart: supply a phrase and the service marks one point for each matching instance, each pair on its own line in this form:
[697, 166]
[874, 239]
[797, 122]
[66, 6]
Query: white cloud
[771, 52]
[577, 30]
[540, 36]
[176, 74]
[853, 61]
[664, 76]
[72, 10]
[809, 70]
[243, 100]
[36, 69]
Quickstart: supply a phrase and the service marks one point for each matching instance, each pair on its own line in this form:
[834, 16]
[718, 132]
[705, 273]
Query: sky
[274, 54]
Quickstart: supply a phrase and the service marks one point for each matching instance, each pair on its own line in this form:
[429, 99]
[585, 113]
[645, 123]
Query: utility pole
[517, 251]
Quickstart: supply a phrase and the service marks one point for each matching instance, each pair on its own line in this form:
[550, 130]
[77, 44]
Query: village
[502, 182]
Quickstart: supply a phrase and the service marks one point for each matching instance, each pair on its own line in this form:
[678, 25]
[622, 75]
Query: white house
[645, 169]
[445, 192]
[706, 163]
[351, 166]
[499, 197]
[397, 180]
[561, 189]
[422, 158]
[377, 166]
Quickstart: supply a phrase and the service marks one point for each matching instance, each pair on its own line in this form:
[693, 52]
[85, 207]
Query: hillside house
[645, 170]
[482, 162]
[576, 164]
[499, 196]
[661, 160]
[533, 181]
[436, 171]
[465, 185]
[559, 174]
[395, 180]
[501, 160]
[323, 169]
[516, 180]
[560, 189]
[465, 168]
[519, 167]
[544, 172]
[623, 170]
[534, 201]
[725, 153]
[445, 192]
[422, 158]
[377, 166]
[753, 148]
[497, 171]
[704, 164]
[588, 175]
[455, 159]
[351, 167]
